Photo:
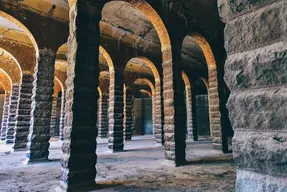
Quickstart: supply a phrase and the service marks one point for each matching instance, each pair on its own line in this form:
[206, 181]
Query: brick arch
[146, 92]
[16, 72]
[100, 91]
[185, 79]
[23, 27]
[6, 80]
[205, 81]
[58, 86]
[152, 88]
[213, 96]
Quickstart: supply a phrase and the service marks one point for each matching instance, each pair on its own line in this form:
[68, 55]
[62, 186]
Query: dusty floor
[140, 168]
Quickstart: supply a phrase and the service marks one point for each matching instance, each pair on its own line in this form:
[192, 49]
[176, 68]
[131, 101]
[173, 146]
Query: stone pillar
[5, 116]
[39, 135]
[189, 123]
[128, 113]
[255, 72]
[79, 146]
[2, 103]
[214, 113]
[24, 112]
[116, 116]
[194, 117]
[174, 126]
[103, 121]
[157, 113]
[53, 116]
[62, 118]
[13, 110]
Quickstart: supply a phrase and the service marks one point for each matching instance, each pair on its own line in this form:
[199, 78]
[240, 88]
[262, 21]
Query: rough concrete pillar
[79, 146]
[157, 113]
[53, 116]
[116, 105]
[13, 110]
[5, 116]
[24, 112]
[103, 120]
[39, 133]
[255, 72]
[62, 117]
[128, 113]
[189, 123]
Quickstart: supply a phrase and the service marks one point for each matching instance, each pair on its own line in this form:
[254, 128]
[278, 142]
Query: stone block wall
[255, 72]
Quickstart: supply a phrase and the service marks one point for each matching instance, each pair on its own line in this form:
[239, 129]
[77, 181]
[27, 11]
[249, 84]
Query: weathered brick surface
[128, 114]
[255, 74]
[116, 113]
[13, 110]
[24, 112]
[53, 116]
[103, 121]
[39, 135]
[5, 116]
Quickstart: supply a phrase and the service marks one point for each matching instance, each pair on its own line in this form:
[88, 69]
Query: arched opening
[143, 107]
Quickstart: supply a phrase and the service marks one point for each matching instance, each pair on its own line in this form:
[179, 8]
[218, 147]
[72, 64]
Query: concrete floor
[140, 168]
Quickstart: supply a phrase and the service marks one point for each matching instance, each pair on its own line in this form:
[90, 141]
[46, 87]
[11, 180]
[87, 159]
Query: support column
[128, 113]
[53, 116]
[39, 135]
[5, 116]
[255, 73]
[62, 118]
[214, 113]
[13, 110]
[103, 121]
[79, 146]
[24, 112]
[194, 117]
[116, 105]
[189, 123]
[157, 115]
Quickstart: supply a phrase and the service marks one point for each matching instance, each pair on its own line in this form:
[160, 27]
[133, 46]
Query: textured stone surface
[13, 111]
[39, 135]
[62, 117]
[116, 113]
[157, 113]
[79, 157]
[103, 121]
[256, 75]
[262, 27]
[5, 116]
[128, 114]
[250, 181]
[2, 103]
[53, 116]
[24, 112]
[189, 123]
